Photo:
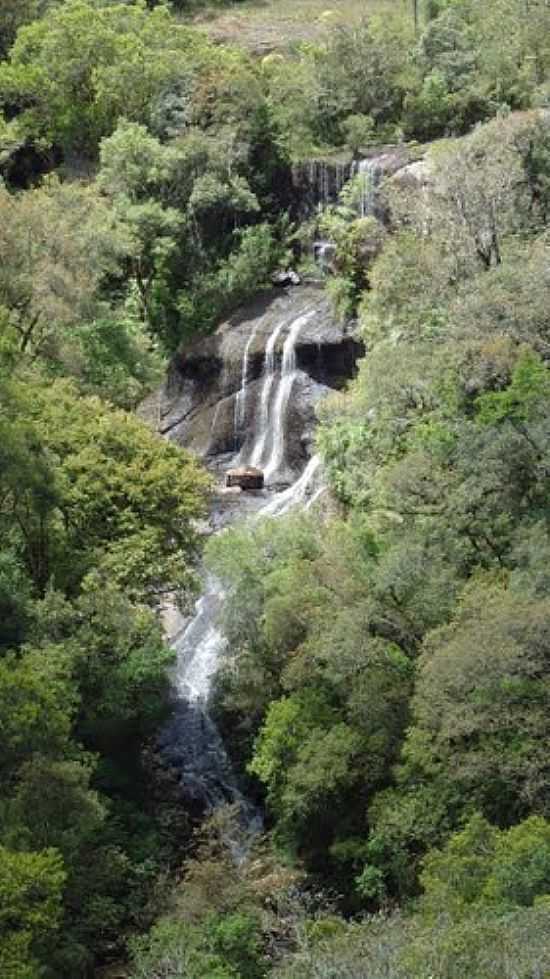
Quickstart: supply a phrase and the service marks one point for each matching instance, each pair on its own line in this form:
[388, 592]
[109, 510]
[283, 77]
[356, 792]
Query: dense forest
[386, 693]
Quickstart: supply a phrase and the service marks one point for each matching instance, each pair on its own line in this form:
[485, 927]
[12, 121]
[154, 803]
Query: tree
[37, 705]
[480, 701]
[57, 245]
[479, 191]
[13, 15]
[31, 886]
[79, 68]
[482, 865]
[105, 494]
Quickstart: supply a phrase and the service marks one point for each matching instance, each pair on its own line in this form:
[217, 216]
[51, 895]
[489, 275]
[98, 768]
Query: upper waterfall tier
[248, 392]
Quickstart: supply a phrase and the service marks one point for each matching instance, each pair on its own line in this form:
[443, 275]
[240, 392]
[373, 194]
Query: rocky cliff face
[248, 392]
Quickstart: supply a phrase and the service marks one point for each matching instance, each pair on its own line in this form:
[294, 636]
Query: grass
[263, 26]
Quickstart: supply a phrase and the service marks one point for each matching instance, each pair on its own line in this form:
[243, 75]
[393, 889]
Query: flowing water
[191, 741]
[240, 400]
[262, 429]
[276, 421]
[275, 396]
[302, 493]
[371, 173]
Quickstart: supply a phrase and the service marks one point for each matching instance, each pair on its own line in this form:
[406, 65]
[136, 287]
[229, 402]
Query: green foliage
[484, 866]
[56, 244]
[236, 938]
[313, 646]
[386, 683]
[84, 663]
[524, 397]
[358, 131]
[489, 946]
[13, 15]
[184, 203]
[111, 496]
[80, 67]
[31, 886]
[216, 928]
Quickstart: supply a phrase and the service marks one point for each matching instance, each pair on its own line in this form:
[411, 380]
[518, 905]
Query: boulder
[247, 477]
[286, 277]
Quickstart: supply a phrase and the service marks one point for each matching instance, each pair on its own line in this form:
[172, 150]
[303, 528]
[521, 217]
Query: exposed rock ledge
[196, 406]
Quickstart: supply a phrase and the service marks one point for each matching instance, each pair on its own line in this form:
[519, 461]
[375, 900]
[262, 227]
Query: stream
[191, 742]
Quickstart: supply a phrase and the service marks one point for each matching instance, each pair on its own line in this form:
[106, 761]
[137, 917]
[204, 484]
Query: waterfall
[269, 378]
[272, 417]
[370, 173]
[240, 400]
[191, 741]
[325, 180]
[194, 672]
[288, 374]
[323, 253]
[301, 492]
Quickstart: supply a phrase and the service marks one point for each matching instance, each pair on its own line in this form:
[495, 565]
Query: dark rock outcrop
[208, 404]
[247, 477]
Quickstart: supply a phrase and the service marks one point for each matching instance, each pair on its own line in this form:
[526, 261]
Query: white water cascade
[370, 172]
[302, 493]
[191, 741]
[262, 430]
[240, 399]
[271, 431]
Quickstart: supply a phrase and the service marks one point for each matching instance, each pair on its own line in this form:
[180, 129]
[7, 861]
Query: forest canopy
[384, 697]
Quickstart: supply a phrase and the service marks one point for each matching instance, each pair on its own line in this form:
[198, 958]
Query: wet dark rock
[317, 183]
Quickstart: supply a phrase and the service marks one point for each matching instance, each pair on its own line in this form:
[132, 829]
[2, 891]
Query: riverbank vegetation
[385, 695]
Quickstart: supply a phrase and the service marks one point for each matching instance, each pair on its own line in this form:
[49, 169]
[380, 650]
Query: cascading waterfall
[282, 396]
[191, 741]
[240, 399]
[302, 493]
[370, 173]
[269, 379]
[325, 180]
